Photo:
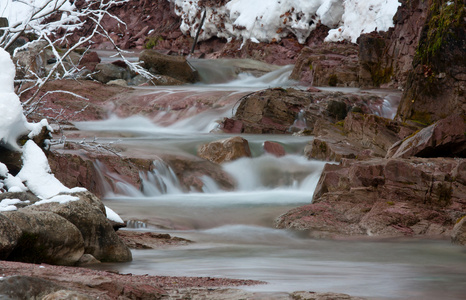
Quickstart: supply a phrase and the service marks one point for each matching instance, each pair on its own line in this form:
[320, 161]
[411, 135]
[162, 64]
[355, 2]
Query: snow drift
[271, 20]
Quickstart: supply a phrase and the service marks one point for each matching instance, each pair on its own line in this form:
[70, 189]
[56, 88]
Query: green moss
[340, 123]
[422, 118]
[390, 203]
[333, 80]
[151, 42]
[381, 75]
[445, 18]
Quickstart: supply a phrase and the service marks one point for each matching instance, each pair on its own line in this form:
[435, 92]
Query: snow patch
[9, 204]
[37, 176]
[112, 215]
[272, 20]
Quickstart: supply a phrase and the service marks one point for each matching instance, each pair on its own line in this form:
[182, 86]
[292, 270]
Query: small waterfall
[161, 180]
[277, 78]
[268, 172]
[300, 122]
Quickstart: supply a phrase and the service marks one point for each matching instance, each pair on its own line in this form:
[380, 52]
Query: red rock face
[381, 197]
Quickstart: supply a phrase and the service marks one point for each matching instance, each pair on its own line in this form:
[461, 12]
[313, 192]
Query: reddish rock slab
[274, 148]
[445, 138]
[111, 285]
[383, 197]
[150, 240]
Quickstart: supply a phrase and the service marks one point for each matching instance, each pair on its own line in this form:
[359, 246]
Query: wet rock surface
[225, 150]
[150, 240]
[383, 197]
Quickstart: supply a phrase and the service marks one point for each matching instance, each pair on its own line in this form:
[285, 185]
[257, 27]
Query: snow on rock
[271, 20]
[113, 216]
[9, 204]
[18, 12]
[13, 122]
[37, 176]
[363, 17]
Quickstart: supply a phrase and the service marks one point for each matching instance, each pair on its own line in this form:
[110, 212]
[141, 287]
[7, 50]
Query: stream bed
[233, 231]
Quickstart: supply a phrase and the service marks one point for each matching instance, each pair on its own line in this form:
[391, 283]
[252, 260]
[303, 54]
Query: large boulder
[88, 214]
[225, 150]
[173, 66]
[46, 238]
[384, 197]
[361, 136]
[10, 234]
[445, 138]
[108, 72]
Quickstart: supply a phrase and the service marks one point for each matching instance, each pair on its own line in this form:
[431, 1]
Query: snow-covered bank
[35, 174]
[271, 20]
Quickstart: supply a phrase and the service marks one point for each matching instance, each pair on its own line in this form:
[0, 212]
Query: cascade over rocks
[384, 197]
[276, 110]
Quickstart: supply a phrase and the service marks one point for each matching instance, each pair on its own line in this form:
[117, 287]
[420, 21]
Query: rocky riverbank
[387, 177]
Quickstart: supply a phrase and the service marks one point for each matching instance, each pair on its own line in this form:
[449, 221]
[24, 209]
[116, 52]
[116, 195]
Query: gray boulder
[9, 236]
[174, 66]
[108, 72]
[88, 214]
[46, 238]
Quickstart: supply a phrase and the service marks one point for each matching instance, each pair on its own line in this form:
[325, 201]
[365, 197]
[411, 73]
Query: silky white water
[233, 231]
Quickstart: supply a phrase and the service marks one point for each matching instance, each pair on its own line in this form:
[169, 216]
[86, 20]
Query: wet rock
[445, 138]
[458, 235]
[172, 66]
[330, 150]
[372, 67]
[46, 237]
[329, 64]
[150, 240]
[88, 214]
[270, 111]
[10, 234]
[284, 111]
[225, 150]
[26, 287]
[377, 131]
[383, 197]
[274, 148]
[109, 72]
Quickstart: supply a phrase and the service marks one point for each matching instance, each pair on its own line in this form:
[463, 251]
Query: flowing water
[233, 230]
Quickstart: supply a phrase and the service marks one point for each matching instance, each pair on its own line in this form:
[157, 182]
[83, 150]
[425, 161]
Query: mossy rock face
[435, 87]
